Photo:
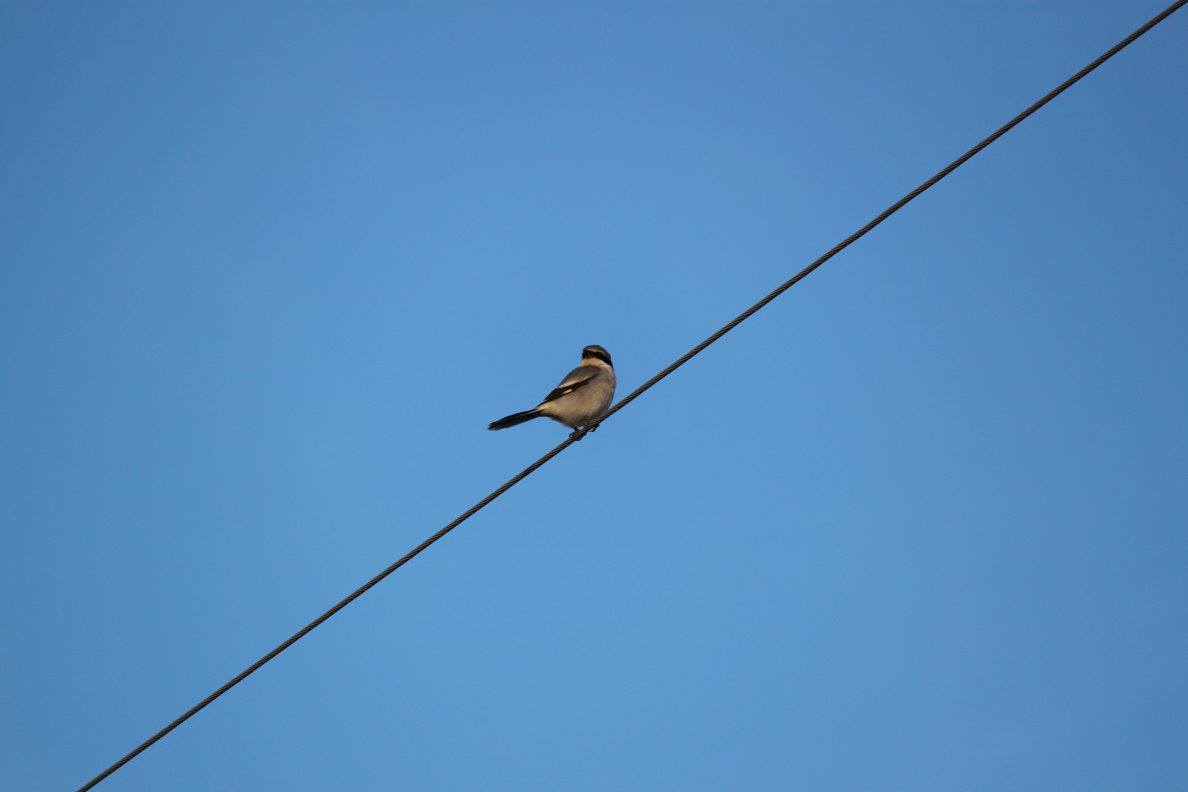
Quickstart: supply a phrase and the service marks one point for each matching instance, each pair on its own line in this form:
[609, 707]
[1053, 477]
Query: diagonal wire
[635, 394]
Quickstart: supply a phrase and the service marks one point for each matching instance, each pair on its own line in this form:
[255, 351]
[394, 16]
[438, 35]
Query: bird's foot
[583, 430]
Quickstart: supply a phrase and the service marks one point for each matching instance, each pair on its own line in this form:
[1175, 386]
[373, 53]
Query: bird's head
[597, 353]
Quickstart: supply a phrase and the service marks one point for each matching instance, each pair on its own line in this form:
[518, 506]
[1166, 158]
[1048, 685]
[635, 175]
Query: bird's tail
[515, 419]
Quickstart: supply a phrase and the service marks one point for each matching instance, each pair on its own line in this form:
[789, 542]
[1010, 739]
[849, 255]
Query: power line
[635, 394]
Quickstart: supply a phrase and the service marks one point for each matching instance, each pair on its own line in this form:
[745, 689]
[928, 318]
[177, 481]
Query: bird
[582, 396]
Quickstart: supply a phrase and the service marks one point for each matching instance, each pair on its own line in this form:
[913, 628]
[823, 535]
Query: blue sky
[268, 271]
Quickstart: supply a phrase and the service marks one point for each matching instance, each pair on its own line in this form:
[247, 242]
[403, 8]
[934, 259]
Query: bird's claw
[583, 430]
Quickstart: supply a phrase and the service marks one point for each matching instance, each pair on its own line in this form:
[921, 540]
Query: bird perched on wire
[582, 396]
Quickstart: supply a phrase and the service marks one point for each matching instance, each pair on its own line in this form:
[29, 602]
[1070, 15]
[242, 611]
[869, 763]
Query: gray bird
[583, 395]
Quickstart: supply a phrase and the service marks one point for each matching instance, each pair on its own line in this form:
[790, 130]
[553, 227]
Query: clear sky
[270, 268]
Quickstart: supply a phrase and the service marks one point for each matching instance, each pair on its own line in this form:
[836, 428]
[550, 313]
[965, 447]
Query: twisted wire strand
[635, 394]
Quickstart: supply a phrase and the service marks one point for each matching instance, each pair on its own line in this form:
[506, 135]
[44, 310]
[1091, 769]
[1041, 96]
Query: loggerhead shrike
[585, 393]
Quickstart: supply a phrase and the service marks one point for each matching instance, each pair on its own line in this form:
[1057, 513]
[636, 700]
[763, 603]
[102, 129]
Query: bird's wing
[578, 378]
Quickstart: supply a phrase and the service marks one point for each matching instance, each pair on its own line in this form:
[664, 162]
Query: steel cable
[635, 394]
